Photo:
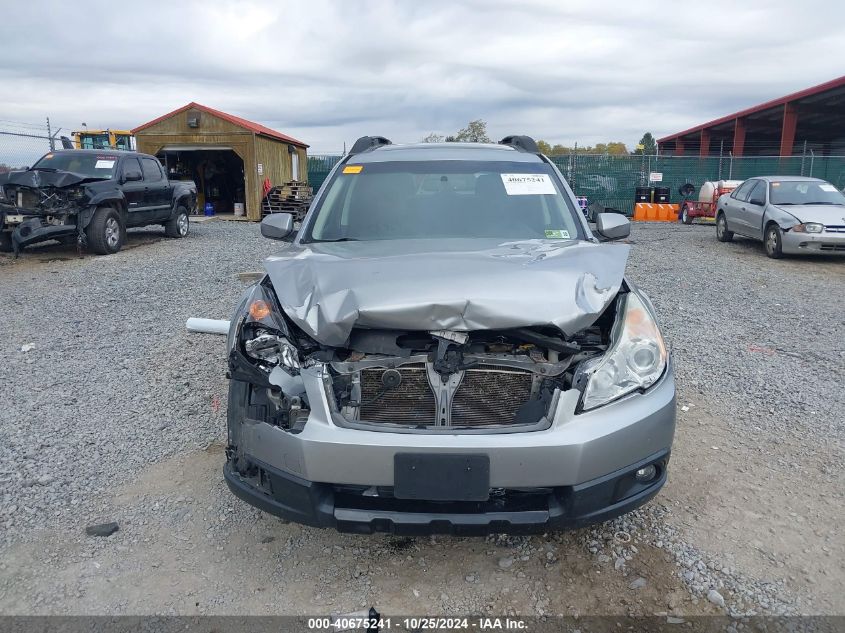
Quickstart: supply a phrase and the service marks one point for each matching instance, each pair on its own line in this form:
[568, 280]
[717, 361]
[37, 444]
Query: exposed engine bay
[437, 380]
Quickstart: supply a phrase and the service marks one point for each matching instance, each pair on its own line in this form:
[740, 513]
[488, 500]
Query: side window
[131, 164]
[759, 192]
[152, 169]
[744, 189]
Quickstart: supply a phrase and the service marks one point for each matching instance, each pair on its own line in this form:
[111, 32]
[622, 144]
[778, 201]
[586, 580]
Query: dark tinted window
[152, 169]
[131, 164]
[759, 192]
[744, 189]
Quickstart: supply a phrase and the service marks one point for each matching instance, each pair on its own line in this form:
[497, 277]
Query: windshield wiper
[825, 202]
[44, 169]
[339, 239]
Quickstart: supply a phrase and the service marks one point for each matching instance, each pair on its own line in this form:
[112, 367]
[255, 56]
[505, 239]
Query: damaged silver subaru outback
[445, 346]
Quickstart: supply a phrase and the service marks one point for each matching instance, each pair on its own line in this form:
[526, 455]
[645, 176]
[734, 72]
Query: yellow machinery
[104, 139]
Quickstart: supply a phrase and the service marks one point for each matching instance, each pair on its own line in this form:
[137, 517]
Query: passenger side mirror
[757, 201]
[613, 226]
[132, 175]
[277, 226]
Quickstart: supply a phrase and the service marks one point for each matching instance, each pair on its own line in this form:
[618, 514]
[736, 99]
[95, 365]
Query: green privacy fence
[611, 180]
[318, 168]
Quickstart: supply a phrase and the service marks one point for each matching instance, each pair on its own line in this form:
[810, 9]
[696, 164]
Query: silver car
[792, 215]
[446, 346]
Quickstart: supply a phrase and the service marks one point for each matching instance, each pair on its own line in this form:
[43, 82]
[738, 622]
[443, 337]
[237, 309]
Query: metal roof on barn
[257, 128]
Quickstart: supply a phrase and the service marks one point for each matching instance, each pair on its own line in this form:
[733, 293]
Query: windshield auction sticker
[557, 234]
[528, 184]
[104, 164]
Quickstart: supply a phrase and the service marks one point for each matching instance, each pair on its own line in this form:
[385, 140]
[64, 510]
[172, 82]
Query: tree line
[476, 132]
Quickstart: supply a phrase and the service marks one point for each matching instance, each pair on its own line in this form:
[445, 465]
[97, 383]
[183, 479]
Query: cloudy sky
[327, 72]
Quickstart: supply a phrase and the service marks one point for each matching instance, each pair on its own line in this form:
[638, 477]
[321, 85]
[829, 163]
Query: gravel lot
[114, 413]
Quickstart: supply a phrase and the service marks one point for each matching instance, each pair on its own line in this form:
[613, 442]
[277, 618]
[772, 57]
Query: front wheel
[774, 241]
[105, 232]
[722, 232]
[5, 242]
[178, 225]
[685, 217]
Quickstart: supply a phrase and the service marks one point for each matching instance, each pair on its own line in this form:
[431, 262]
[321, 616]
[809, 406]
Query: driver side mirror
[131, 175]
[613, 226]
[277, 226]
[757, 201]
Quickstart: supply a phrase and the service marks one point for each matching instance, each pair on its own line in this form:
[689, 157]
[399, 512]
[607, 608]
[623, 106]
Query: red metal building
[813, 118]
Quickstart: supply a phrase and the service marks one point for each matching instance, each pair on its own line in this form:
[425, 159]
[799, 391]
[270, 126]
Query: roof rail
[368, 142]
[522, 143]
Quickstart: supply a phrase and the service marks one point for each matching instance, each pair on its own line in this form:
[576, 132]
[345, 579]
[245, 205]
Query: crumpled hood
[829, 214]
[453, 284]
[38, 178]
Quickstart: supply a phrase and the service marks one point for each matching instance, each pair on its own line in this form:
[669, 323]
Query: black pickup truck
[90, 197]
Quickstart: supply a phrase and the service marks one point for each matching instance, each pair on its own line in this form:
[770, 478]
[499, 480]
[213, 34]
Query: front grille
[832, 247]
[490, 396]
[839, 228]
[412, 402]
[487, 396]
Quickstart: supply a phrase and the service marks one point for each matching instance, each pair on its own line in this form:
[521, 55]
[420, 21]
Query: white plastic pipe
[207, 326]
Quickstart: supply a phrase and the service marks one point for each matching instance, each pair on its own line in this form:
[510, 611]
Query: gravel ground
[115, 413]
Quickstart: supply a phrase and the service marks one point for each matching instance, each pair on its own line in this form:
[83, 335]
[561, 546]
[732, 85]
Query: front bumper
[824, 243]
[326, 506]
[31, 227]
[582, 457]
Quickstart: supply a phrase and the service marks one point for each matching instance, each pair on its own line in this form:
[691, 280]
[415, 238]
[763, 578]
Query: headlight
[635, 360]
[272, 349]
[263, 332]
[809, 227]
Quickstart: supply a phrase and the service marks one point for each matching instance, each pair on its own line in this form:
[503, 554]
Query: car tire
[105, 232]
[773, 241]
[179, 224]
[722, 232]
[6, 242]
[685, 218]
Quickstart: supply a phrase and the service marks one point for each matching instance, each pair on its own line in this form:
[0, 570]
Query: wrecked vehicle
[445, 346]
[90, 197]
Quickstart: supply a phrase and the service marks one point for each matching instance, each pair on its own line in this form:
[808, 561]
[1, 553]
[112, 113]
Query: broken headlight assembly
[263, 333]
[636, 359]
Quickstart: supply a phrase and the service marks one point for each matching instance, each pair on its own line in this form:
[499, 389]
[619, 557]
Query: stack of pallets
[292, 197]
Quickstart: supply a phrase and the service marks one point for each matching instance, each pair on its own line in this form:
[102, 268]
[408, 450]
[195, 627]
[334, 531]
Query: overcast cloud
[328, 72]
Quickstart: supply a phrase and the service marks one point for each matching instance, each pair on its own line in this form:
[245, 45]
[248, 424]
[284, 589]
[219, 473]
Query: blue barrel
[209, 208]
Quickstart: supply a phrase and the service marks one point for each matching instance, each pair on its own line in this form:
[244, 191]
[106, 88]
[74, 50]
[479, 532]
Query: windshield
[443, 199]
[805, 192]
[82, 163]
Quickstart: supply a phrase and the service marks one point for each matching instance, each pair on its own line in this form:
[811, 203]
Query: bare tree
[434, 137]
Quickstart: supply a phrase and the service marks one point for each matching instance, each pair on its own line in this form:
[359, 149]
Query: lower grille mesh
[490, 396]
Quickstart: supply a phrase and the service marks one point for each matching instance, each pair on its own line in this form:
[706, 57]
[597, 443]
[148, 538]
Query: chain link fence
[612, 180]
[21, 144]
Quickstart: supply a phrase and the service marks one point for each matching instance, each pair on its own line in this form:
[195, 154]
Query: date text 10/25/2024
[417, 623]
